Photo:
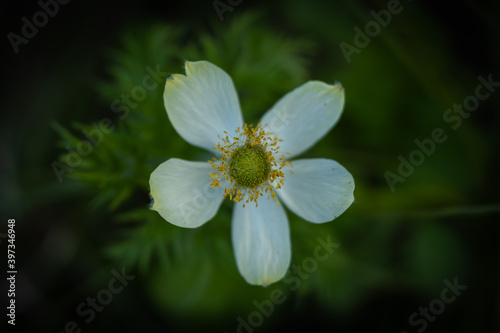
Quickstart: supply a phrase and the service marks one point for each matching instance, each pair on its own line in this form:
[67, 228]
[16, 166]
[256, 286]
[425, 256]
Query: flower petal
[261, 241]
[305, 115]
[182, 194]
[319, 190]
[202, 104]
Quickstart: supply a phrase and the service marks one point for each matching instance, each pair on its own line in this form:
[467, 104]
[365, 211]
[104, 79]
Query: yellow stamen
[249, 136]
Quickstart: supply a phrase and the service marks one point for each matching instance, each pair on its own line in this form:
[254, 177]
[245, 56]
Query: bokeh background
[396, 247]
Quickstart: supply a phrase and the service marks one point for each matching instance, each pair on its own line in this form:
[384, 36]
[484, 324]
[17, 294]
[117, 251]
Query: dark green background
[397, 247]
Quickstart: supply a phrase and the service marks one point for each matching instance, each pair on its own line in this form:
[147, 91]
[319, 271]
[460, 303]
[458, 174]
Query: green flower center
[249, 166]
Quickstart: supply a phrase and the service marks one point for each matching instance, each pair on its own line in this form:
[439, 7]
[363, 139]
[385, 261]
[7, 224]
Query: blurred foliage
[263, 66]
[384, 242]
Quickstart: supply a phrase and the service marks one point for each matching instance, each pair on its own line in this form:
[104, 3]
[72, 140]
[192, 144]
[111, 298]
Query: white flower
[251, 167]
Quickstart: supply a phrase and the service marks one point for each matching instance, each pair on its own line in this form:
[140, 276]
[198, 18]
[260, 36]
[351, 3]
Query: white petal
[182, 194]
[202, 104]
[305, 115]
[319, 190]
[261, 241]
